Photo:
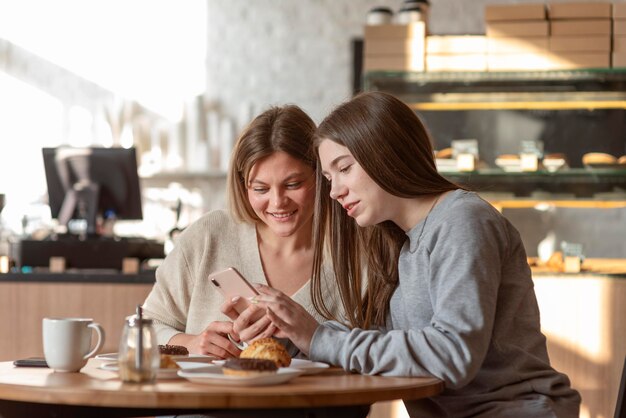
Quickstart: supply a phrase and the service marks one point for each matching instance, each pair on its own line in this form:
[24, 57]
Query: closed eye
[294, 185]
[345, 169]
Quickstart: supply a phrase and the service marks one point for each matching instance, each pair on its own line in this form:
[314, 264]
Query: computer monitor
[92, 182]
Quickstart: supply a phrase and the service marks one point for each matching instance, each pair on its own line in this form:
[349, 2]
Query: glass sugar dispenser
[138, 355]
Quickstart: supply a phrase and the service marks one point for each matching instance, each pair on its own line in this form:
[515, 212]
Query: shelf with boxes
[518, 37]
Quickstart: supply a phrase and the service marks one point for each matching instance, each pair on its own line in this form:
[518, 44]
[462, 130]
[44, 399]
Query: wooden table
[97, 393]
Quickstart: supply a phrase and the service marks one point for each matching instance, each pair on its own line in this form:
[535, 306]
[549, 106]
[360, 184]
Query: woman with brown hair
[448, 289]
[267, 237]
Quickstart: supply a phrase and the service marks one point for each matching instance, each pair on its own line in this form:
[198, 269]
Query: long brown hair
[391, 144]
[288, 129]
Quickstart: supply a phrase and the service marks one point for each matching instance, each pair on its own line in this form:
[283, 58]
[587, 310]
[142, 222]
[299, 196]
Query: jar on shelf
[410, 14]
[379, 16]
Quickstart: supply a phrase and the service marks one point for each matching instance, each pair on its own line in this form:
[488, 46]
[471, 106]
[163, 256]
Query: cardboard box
[619, 10]
[619, 59]
[394, 63]
[517, 45]
[415, 30]
[458, 62]
[463, 44]
[579, 10]
[619, 44]
[619, 27]
[573, 60]
[580, 43]
[527, 28]
[518, 62]
[508, 12]
[563, 60]
[394, 47]
[576, 27]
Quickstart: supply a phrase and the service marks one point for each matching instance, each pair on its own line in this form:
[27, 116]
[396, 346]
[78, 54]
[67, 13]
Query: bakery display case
[571, 113]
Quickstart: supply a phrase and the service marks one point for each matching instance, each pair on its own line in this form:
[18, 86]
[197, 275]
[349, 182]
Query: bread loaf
[598, 158]
[268, 349]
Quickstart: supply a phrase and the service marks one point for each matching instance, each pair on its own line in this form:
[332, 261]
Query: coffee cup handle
[100, 342]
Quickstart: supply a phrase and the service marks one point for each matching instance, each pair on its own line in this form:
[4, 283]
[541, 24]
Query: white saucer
[161, 373]
[212, 375]
[195, 358]
[307, 366]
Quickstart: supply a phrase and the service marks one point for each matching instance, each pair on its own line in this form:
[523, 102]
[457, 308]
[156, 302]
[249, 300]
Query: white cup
[67, 341]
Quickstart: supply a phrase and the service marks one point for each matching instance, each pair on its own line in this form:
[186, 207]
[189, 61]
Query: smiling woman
[266, 237]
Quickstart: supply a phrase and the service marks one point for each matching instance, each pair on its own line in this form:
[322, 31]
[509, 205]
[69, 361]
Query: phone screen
[31, 362]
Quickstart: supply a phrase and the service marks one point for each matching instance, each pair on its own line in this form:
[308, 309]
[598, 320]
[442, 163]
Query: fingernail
[254, 300]
[257, 285]
[235, 299]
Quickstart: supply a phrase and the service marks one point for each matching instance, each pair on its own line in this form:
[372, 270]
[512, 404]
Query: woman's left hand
[291, 319]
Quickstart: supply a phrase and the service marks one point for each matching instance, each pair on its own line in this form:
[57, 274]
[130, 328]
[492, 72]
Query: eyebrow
[290, 177]
[335, 162]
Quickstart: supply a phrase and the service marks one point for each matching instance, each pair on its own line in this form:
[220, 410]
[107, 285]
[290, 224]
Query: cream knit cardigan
[184, 300]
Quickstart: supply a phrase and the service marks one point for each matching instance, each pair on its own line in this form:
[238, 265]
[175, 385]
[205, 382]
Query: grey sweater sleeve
[458, 265]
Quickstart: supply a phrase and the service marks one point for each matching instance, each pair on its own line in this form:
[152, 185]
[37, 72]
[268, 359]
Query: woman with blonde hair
[266, 236]
[449, 291]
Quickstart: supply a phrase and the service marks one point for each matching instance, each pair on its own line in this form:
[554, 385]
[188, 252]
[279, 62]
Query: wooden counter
[26, 299]
[582, 317]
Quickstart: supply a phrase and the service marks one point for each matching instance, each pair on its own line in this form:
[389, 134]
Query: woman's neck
[287, 261]
[285, 245]
[413, 211]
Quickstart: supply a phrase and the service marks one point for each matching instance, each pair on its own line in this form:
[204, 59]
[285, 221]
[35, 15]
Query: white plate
[195, 358]
[213, 375]
[161, 373]
[308, 366]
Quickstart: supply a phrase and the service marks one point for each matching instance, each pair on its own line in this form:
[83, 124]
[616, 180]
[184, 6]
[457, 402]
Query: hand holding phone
[231, 283]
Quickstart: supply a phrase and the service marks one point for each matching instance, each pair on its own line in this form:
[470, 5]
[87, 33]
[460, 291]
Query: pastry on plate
[167, 351]
[553, 162]
[268, 349]
[444, 153]
[248, 367]
[598, 158]
[174, 350]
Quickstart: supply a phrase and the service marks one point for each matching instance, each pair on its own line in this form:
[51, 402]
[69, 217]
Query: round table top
[101, 388]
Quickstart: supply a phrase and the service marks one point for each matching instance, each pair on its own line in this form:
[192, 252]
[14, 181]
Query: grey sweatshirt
[464, 311]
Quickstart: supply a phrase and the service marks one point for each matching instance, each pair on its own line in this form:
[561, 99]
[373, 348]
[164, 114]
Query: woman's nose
[336, 191]
[278, 198]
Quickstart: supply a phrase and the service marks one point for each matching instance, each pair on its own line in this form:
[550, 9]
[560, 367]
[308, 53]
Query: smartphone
[231, 283]
[31, 362]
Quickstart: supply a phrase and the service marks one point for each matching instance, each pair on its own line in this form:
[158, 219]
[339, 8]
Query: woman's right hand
[213, 341]
[251, 324]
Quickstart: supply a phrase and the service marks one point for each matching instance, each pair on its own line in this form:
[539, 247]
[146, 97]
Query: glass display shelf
[562, 89]
[576, 183]
[602, 75]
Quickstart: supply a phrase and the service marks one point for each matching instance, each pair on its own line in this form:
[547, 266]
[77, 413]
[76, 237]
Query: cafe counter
[26, 298]
[582, 318]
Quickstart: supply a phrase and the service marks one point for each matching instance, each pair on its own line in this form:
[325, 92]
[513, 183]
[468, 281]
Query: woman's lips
[350, 207]
[282, 216]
